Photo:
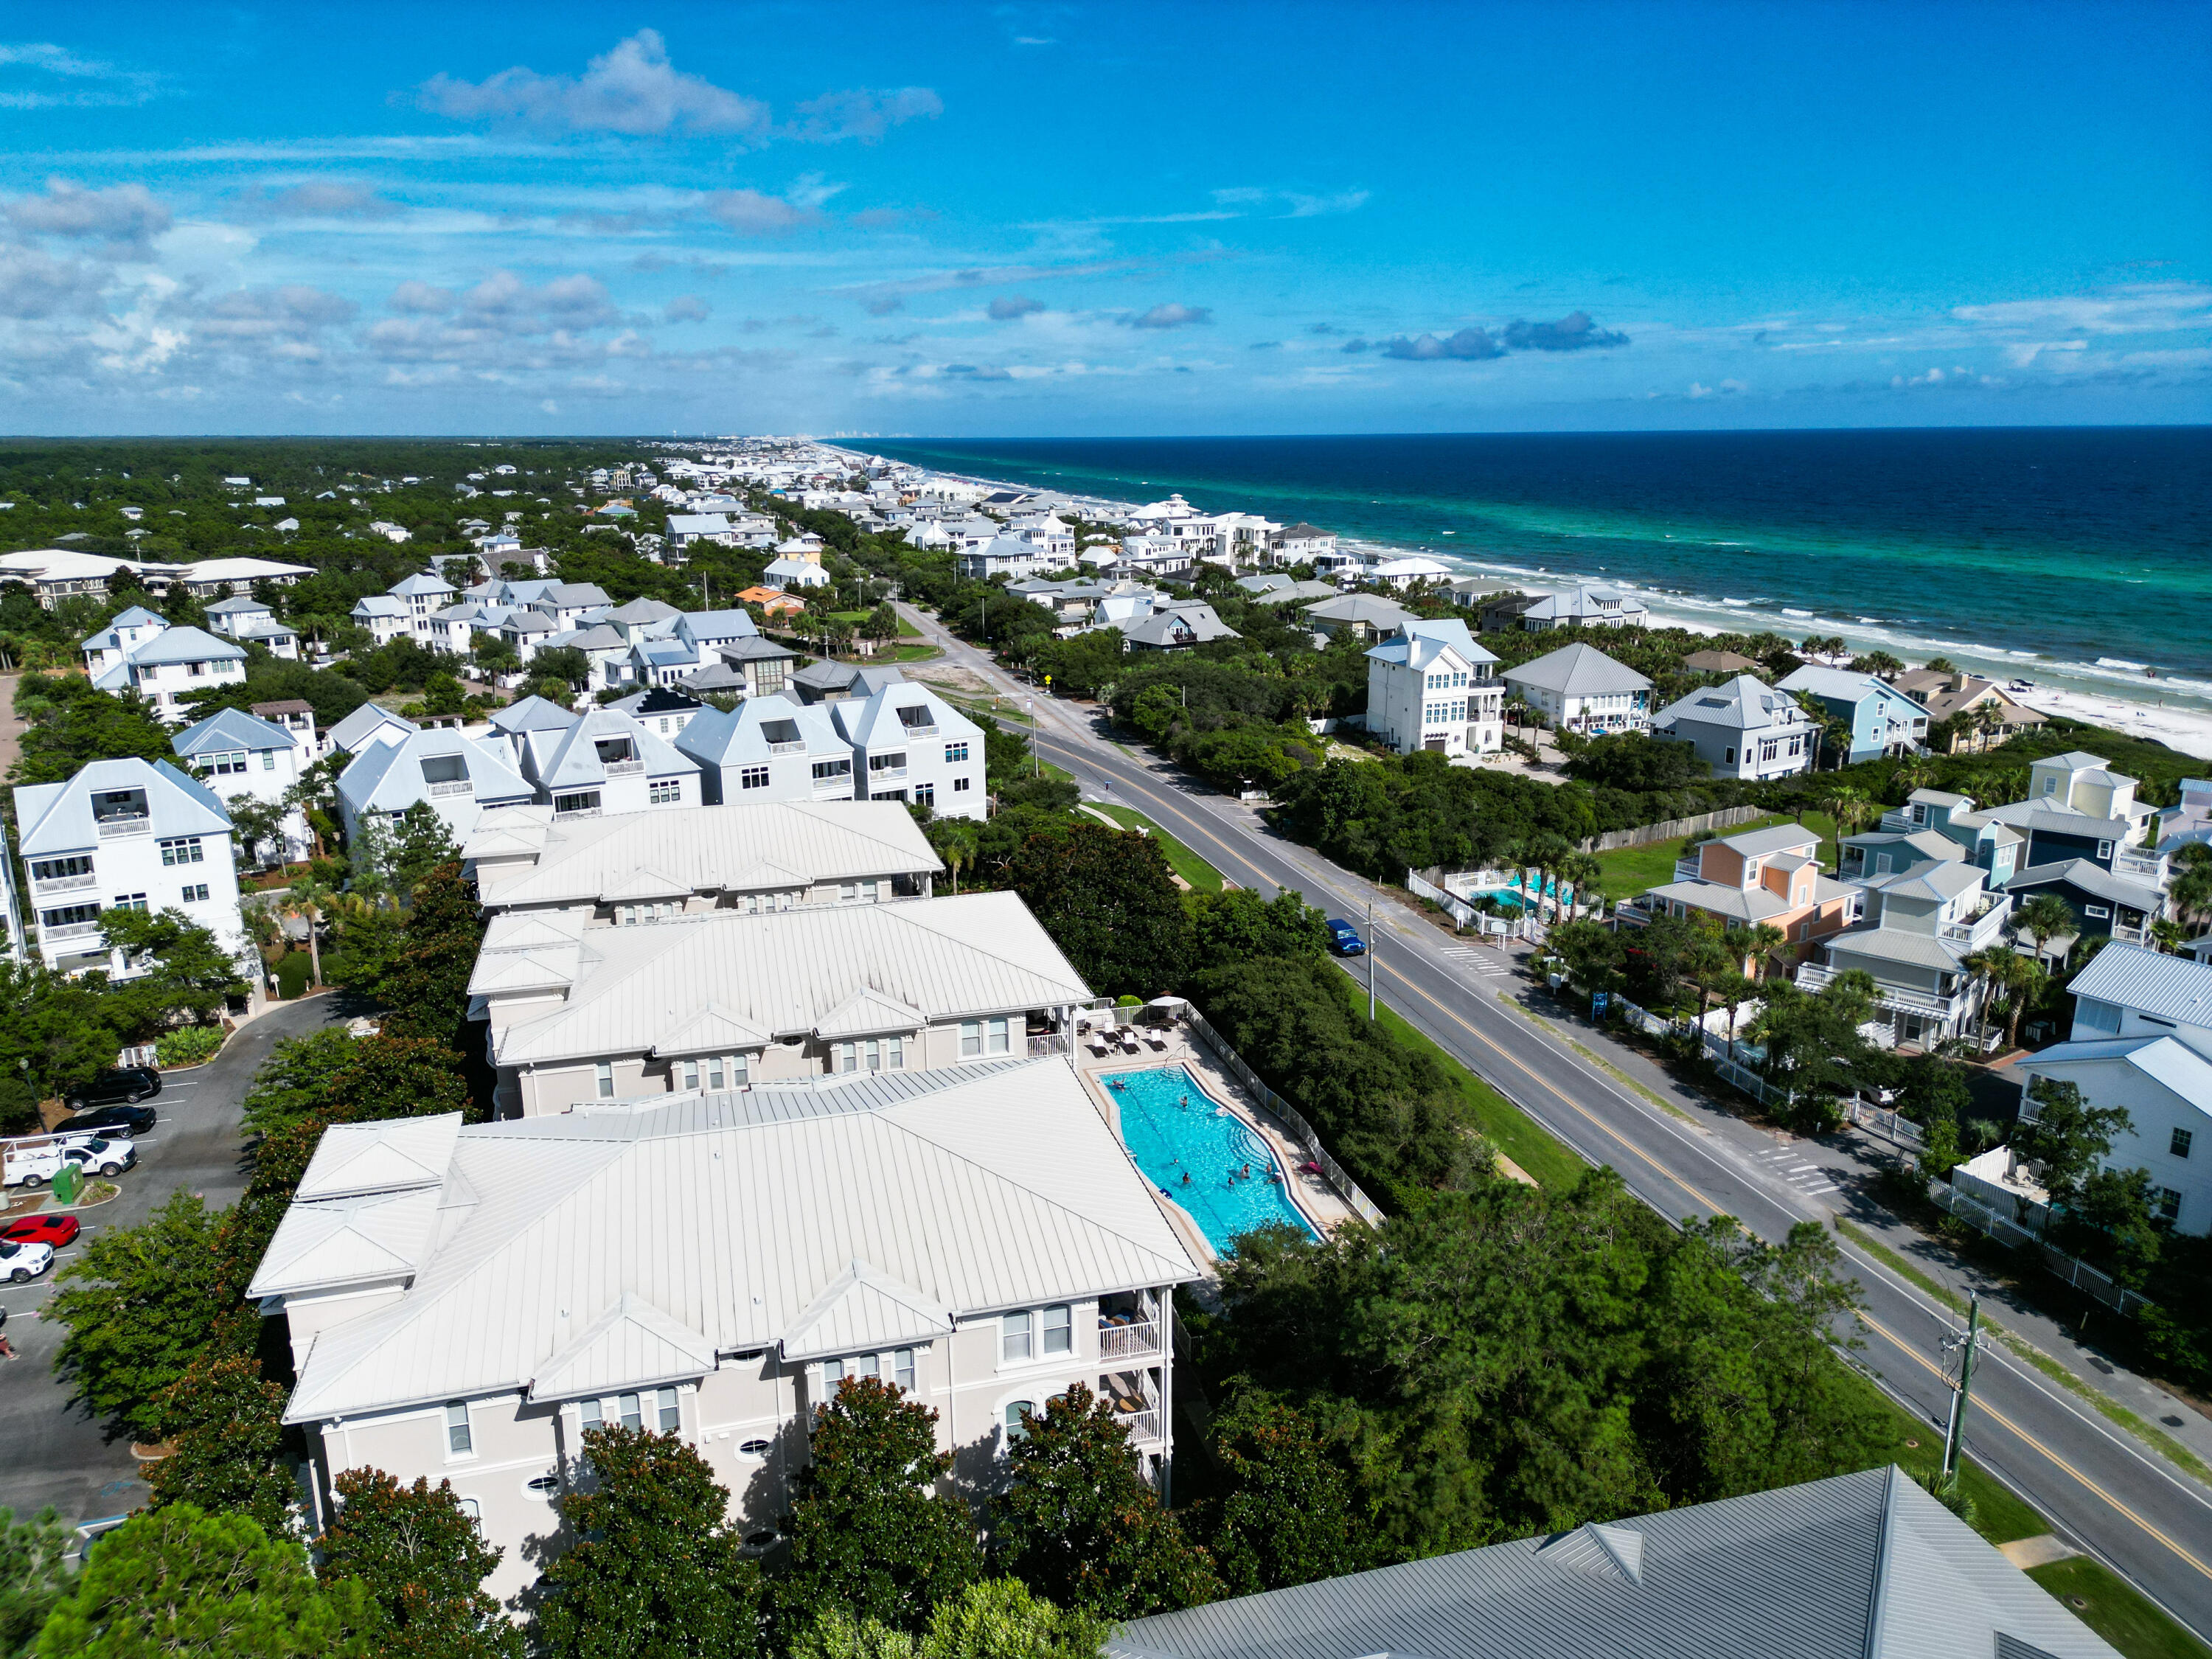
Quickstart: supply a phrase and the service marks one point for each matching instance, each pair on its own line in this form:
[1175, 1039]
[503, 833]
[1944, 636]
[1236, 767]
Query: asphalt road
[53, 1452]
[2103, 1492]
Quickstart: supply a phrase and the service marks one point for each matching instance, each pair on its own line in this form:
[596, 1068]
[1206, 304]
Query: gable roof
[1577, 671]
[1859, 1566]
[1842, 685]
[57, 818]
[1742, 704]
[2091, 879]
[577, 762]
[1775, 838]
[356, 727]
[185, 644]
[2166, 1061]
[2173, 988]
[387, 777]
[633, 1244]
[229, 729]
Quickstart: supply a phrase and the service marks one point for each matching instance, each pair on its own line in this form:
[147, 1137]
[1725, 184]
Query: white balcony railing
[928, 731]
[793, 748]
[454, 786]
[1687, 869]
[120, 825]
[625, 769]
[1135, 1342]
[576, 813]
[878, 773]
[68, 930]
[63, 883]
[1811, 977]
[2146, 865]
[1143, 1426]
[1047, 1044]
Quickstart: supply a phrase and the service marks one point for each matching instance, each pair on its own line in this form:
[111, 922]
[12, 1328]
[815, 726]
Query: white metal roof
[58, 818]
[782, 974]
[2173, 988]
[572, 1254]
[1577, 671]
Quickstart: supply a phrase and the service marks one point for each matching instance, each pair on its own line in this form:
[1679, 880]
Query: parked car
[52, 1230]
[20, 1263]
[111, 1121]
[36, 1166]
[126, 1083]
[1344, 940]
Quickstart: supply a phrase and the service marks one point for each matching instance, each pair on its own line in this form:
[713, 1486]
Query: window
[2096, 910]
[1728, 757]
[61, 869]
[2178, 1145]
[925, 794]
[632, 1419]
[196, 894]
[960, 784]
[830, 771]
[1014, 1340]
[2097, 1016]
[833, 1373]
[2104, 849]
[1018, 1419]
[130, 901]
[268, 764]
[903, 1368]
[605, 1078]
[459, 1441]
[888, 763]
[469, 1507]
[690, 1072]
[587, 1414]
[187, 851]
[971, 1037]
[584, 801]
[665, 792]
[1060, 1329]
[2169, 1203]
[671, 1414]
[955, 753]
[70, 915]
[753, 777]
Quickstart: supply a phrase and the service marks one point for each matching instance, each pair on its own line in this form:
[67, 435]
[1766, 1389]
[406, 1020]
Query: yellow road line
[1996, 1416]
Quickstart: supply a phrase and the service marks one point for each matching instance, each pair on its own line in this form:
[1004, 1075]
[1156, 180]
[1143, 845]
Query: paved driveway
[51, 1452]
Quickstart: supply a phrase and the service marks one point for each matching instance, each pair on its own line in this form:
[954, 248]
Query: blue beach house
[1882, 719]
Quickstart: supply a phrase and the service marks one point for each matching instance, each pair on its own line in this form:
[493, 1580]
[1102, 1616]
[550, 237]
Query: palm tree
[1583, 872]
[1848, 806]
[1978, 966]
[2018, 977]
[312, 899]
[1545, 854]
[2169, 936]
[1915, 773]
[1761, 940]
[2043, 917]
[958, 841]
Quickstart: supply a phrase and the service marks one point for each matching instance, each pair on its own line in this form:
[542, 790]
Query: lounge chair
[1159, 1042]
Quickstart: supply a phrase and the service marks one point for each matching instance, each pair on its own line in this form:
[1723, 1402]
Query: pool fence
[1332, 1172]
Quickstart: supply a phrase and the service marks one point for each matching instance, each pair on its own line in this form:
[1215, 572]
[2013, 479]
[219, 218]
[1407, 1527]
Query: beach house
[242, 757]
[1587, 604]
[1363, 616]
[140, 652]
[907, 744]
[250, 621]
[1579, 688]
[1742, 729]
[1430, 686]
[1175, 625]
[1882, 719]
[457, 777]
[1975, 712]
[578, 1013]
[1919, 926]
[463, 1303]
[1771, 878]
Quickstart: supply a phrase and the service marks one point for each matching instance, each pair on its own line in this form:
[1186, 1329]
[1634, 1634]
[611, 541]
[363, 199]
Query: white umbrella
[1168, 1002]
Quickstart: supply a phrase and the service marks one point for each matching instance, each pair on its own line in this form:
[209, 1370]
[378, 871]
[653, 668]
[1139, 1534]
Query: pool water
[1170, 1139]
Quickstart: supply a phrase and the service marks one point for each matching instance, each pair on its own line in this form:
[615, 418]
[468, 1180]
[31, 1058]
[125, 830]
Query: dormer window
[614, 749]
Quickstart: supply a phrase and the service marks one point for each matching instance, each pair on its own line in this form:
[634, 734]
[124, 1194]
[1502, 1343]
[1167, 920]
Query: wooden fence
[1644, 834]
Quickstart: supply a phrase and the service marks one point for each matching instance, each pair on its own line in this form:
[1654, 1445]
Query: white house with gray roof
[456, 776]
[1742, 729]
[578, 1013]
[772, 748]
[240, 755]
[1920, 924]
[1579, 688]
[123, 834]
[1430, 686]
[909, 744]
[250, 621]
[1177, 625]
[140, 652]
[464, 1303]
[1588, 604]
[607, 761]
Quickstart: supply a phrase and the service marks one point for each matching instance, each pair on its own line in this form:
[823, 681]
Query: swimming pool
[1171, 1141]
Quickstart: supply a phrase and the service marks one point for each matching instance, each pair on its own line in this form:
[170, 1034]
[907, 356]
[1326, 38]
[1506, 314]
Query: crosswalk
[1476, 959]
[1792, 1165]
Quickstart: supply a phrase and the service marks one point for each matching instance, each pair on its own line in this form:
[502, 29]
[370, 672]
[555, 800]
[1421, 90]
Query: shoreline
[2180, 717]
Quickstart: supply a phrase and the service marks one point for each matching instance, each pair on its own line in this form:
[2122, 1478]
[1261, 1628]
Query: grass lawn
[1504, 1125]
[911, 653]
[908, 630]
[1633, 869]
[1202, 876]
[2116, 1612]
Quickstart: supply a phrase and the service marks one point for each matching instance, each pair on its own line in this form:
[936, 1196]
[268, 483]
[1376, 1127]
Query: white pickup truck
[37, 1165]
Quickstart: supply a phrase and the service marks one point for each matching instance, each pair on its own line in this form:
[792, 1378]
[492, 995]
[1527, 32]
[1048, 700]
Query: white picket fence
[2074, 1271]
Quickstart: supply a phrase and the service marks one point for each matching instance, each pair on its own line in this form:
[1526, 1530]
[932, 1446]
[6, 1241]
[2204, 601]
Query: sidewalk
[1851, 1162]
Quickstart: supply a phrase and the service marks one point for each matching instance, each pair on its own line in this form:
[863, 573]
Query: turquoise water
[1170, 1139]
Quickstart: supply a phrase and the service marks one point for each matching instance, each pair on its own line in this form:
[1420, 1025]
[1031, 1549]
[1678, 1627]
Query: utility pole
[1371, 961]
[1954, 1437]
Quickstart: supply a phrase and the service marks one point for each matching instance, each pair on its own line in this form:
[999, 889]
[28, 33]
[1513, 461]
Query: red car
[53, 1230]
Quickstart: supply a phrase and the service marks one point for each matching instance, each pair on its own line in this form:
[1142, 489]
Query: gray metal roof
[1861, 1566]
[58, 818]
[2090, 879]
[227, 729]
[2173, 988]
[571, 1255]
[1577, 671]
[1742, 704]
[174, 645]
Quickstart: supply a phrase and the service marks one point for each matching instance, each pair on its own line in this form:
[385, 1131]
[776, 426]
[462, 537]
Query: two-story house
[768, 749]
[579, 1013]
[1430, 686]
[240, 756]
[1363, 616]
[252, 622]
[456, 1311]
[140, 652]
[627, 869]
[1742, 729]
[1882, 719]
[1920, 926]
[1175, 625]
[125, 835]
[1010, 556]
[909, 744]
[2142, 1040]
[1587, 606]
[1983, 716]
[1997, 848]
[1299, 544]
[755, 667]
[2084, 832]
[1579, 688]
[383, 617]
[420, 597]
[1771, 878]
[458, 777]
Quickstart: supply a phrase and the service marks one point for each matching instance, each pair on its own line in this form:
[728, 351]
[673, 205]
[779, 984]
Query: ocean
[2073, 557]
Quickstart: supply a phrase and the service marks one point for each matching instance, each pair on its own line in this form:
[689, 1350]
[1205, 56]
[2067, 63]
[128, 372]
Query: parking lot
[51, 1452]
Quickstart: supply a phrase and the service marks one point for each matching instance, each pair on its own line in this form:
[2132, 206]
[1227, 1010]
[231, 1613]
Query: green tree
[1005, 1618]
[32, 1574]
[190, 973]
[422, 1562]
[1236, 925]
[180, 1582]
[1291, 1512]
[1077, 1521]
[55, 1032]
[1110, 902]
[2042, 918]
[331, 1076]
[70, 725]
[869, 1530]
[958, 841]
[140, 1304]
[256, 823]
[2068, 1136]
[225, 1424]
[311, 899]
[424, 983]
[652, 1570]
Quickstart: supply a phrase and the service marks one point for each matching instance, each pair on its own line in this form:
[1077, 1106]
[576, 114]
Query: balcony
[2144, 866]
[623, 769]
[1139, 1339]
[575, 812]
[1687, 869]
[120, 824]
[68, 930]
[63, 883]
[797, 746]
[1811, 977]
[927, 731]
[451, 787]
[886, 774]
[1982, 929]
[1143, 1427]
[1046, 1044]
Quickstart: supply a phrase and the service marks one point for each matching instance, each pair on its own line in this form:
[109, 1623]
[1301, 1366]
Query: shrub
[188, 1045]
[292, 974]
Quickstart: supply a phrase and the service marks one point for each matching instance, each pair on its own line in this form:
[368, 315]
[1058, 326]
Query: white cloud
[862, 115]
[686, 308]
[325, 199]
[1171, 315]
[34, 283]
[633, 90]
[754, 213]
[40, 74]
[125, 217]
[1294, 204]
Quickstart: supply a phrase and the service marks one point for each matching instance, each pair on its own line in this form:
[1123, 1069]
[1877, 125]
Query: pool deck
[1315, 1197]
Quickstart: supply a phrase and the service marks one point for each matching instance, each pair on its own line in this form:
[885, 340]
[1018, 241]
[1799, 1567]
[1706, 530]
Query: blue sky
[1061, 219]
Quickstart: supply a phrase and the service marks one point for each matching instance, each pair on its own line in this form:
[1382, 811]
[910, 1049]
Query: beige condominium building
[719, 999]
[464, 1303]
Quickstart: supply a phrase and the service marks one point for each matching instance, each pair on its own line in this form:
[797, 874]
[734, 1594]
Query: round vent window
[543, 1487]
[757, 1447]
[759, 1541]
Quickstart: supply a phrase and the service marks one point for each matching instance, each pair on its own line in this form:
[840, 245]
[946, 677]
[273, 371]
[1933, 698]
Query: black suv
[110, 1121]
[125, 1083]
